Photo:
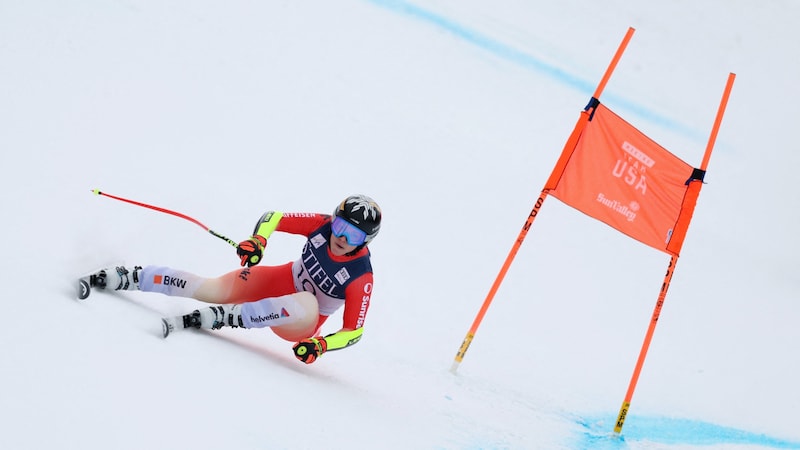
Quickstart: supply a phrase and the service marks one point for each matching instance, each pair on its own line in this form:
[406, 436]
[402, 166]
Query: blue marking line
[518, 57]
[670, 431]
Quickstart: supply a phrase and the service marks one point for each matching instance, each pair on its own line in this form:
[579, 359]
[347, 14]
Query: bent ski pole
[167, 211]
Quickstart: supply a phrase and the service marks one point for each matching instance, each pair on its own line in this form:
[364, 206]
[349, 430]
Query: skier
[334, 266]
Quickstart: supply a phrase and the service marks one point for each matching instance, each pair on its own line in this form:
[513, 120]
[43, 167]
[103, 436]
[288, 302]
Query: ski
[83, 289]
[170, 325]
[97, 280]
[87, 282]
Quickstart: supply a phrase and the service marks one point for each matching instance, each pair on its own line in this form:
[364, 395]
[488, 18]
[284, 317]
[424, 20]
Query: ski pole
[167, 211]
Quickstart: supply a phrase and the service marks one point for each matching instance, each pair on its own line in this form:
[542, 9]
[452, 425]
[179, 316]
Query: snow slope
[451, 114]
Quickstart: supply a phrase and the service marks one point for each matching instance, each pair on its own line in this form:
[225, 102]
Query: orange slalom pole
[718, 120]
[621, 49]
[626, 404]
[511, 255]
[693, 191]
[560, 165]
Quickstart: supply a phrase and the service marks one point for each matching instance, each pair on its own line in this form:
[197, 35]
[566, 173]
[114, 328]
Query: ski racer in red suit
[334, 266]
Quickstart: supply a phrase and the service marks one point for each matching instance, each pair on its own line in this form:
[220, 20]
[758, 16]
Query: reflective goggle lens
[353, 234]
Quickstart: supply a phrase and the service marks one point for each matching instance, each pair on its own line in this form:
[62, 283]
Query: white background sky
[451, 115]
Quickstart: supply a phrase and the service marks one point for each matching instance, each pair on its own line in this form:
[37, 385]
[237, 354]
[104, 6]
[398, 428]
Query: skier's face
[339, 245]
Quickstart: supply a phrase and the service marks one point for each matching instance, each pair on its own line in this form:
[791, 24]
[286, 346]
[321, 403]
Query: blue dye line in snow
[518, 57]
[669, 431]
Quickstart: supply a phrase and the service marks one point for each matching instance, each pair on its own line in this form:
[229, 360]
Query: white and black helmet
[363, 212]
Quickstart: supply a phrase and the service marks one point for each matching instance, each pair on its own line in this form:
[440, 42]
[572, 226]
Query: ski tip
[83, 289]
[164, 327]
[167, 326]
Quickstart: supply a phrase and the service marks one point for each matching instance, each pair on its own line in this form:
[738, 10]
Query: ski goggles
[354, 235]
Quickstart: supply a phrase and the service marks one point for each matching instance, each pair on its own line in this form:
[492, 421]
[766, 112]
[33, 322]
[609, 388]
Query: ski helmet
[362, 212]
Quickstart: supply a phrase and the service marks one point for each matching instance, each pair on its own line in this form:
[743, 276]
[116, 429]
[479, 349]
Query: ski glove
[308, 350]
[251, 250]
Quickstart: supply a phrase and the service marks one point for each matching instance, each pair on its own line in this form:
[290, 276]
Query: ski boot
[211, 318]
[116, 279]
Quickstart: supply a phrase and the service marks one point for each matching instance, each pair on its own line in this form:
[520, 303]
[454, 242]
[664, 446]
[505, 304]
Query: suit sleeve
[357, 298]
[301, 223]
